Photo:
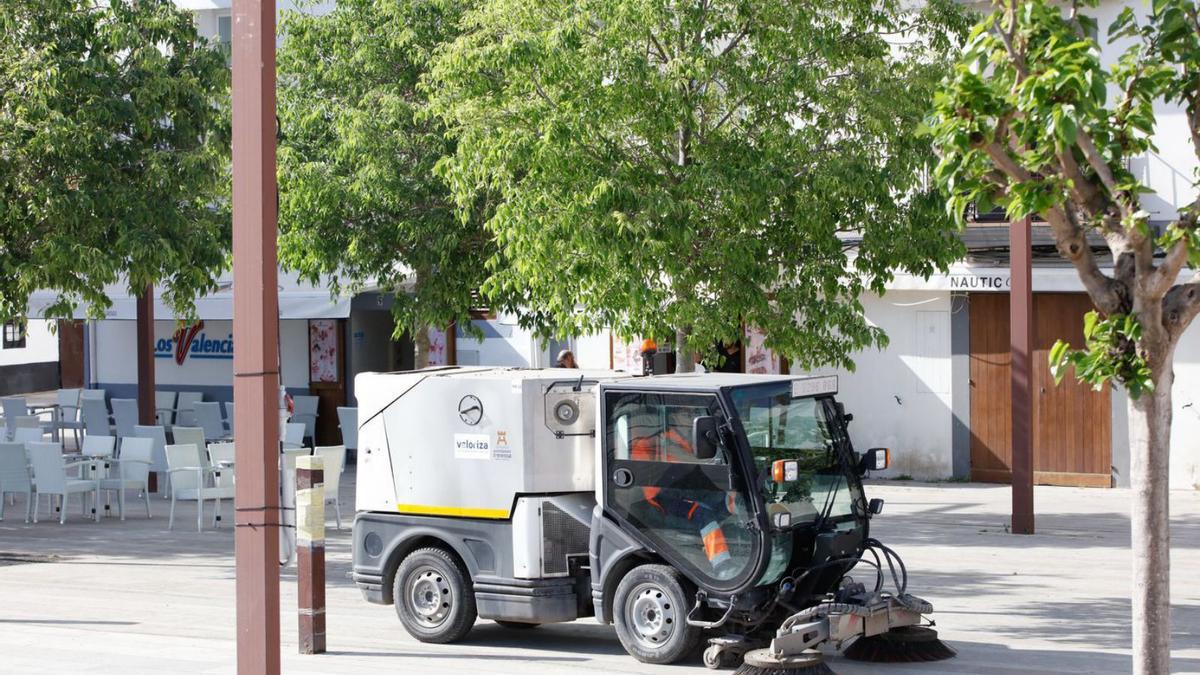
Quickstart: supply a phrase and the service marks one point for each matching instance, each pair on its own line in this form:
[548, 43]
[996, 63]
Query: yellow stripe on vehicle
[426, 510]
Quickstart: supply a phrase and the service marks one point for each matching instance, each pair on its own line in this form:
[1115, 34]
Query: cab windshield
[779, 427]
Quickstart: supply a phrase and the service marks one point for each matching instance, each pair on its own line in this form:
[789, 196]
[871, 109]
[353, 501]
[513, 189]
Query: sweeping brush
[906, 644]
[762, 662]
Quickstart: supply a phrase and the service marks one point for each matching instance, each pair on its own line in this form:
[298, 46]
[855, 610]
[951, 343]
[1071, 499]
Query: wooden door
[1072, 429]
[327, 375]
[70, 354]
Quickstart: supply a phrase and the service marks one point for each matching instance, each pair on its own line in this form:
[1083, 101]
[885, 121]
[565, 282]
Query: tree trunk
[684, 363]
[1149, 453]
[421, 340]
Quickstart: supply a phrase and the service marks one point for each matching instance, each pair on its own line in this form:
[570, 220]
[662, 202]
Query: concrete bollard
[310, 552]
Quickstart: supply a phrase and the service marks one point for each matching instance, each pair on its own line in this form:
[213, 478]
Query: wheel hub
[429, 596]
[652, 615]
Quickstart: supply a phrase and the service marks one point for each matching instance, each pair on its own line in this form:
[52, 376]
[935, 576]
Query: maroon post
[310, 553]
[1021, 334]
[256, 358]
[145, 367]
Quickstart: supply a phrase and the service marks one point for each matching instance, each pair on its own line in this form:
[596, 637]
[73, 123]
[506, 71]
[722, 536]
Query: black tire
[650, 610]
[518, 625]
[434, 596]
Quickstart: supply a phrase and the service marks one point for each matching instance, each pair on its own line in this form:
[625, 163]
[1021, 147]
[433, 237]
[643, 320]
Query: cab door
[692, 511]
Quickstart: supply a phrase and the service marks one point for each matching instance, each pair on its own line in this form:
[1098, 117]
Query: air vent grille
[562, 536]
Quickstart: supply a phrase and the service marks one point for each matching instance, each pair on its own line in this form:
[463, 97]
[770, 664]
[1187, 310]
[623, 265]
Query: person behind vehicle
[566, 359]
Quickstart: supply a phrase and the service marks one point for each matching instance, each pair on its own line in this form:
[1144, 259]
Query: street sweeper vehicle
[681, 508]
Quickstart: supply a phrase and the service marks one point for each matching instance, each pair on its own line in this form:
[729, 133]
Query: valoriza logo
[191, 341]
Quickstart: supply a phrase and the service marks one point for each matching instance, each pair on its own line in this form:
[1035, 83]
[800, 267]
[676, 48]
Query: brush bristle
[908, 644]
[818, 669]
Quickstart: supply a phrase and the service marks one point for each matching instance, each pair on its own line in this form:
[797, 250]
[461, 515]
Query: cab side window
[657, 427]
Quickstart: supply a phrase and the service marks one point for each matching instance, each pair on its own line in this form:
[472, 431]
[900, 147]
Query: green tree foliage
[113, 153]
[1032, 120]
[676, 168]
[359, 200]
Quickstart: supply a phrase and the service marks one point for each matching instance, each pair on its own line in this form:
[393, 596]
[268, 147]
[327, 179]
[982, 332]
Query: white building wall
[41, 346]
[1185, 431]
[901, 396]
[116, 357]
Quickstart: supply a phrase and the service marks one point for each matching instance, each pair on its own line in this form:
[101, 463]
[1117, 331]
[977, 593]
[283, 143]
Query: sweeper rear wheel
[434, 598]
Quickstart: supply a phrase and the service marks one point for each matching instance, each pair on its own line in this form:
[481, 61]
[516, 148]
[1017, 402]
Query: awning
[297, 300]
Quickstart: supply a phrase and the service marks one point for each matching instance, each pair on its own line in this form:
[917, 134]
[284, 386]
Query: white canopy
[297, 300]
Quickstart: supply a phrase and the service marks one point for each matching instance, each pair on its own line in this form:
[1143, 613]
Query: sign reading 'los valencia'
[191, 341]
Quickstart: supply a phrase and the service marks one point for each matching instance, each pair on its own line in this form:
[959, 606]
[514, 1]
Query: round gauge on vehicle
[470, 409]
[566, 412]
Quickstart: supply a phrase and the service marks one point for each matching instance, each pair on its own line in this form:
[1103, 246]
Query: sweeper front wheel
[434, 598]
[650, 613]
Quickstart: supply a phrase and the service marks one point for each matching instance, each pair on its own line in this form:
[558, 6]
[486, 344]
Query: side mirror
[704, 437]
[841, 409]
[875, 459]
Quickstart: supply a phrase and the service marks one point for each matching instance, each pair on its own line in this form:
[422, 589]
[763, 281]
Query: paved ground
[133, 597]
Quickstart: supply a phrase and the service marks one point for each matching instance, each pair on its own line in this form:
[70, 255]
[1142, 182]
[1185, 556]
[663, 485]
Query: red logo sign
[183, 340]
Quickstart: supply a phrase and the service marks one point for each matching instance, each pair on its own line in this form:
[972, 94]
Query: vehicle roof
[705, 380]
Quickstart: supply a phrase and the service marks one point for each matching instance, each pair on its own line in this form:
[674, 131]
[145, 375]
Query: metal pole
[255, 325]
[145, 367]
[310, 552]
[1021, 334]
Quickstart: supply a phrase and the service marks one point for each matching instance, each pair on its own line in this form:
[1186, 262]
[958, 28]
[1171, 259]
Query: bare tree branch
[1070, 238]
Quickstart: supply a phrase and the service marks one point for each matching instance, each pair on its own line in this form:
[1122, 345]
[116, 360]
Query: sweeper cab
[678, 507]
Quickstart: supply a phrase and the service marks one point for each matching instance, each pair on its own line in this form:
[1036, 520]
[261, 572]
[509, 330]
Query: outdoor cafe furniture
[158, 461]
[348, 421]
[28, 435]
[132, 471]
[333, 459]
[189, 482]
[293, 435]
[208, 417]
[185, 416]
[50, 478]
[221, 458]
[66, 416]
[94, 412]
[305, 411]
[229, 417]
[164, 407]
[125, 416]
[14, 407]
[14, 476]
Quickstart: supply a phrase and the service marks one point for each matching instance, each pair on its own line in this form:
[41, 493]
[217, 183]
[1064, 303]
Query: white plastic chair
[229, 417]
[50, 478]
[14, 476]
[293, 435]
[158, 456]
[125, 416]
[184, 414]
[306, 413]
[164, 407]
[348, 421]
[68, 413]
[94, 413]
[99, 446]
[333, 457]
[189, 480]
[221, 457]
[14, 408]
[28, 435]
[93, 394]
[208, 417]
[132, 471]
